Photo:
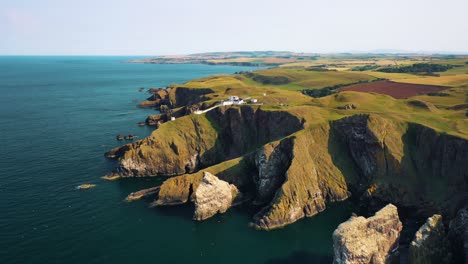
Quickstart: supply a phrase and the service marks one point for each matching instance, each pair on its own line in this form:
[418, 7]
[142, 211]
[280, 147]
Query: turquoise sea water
[58, 115]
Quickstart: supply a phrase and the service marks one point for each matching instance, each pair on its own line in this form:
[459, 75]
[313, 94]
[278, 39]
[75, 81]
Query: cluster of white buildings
[233, 100]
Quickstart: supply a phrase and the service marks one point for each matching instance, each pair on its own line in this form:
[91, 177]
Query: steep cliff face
[310, 180]
[407, 164]
[245, 128]
[368, 240]
[458, 234]
[183, 96]
[430, 243]
[272, 161]
[199, 141]
[295, 171]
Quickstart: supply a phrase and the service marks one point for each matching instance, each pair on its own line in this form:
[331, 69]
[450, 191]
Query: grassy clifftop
[292, 154]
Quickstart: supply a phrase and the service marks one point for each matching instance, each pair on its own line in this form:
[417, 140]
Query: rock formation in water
[430, 244]
[368, 240]
[382, 160]
[212, 196]
[293, 165]
[458, 235]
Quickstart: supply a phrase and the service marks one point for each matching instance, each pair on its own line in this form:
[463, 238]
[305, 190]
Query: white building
[227, 103]
[239, 102]
[233, 98]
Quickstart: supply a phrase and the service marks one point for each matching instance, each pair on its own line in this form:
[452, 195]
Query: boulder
[430, 244]
[212, 196]
[368, 240]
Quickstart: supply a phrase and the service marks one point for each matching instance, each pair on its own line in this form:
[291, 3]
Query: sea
[58, 115]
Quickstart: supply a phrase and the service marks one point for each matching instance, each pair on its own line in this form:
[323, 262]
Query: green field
[314, 133]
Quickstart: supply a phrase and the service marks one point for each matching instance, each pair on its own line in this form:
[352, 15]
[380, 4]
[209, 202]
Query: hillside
[290, 155]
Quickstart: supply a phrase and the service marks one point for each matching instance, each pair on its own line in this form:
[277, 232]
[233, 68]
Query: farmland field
[394, 89]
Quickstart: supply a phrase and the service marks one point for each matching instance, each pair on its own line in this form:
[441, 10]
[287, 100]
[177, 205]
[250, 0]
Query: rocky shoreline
[291, 167]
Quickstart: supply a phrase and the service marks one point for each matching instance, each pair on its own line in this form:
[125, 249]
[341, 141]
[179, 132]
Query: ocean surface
[58, 115]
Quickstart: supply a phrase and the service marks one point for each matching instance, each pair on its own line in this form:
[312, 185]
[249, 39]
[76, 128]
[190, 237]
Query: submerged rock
[145, 193]
[368, 240]
[430, 244]
[85, 186]
[213, 196]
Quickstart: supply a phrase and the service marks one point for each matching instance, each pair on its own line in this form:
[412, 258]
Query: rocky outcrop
[180, 189]
[198, 141]
[298, 170]
[368, 240]
[183, 96]
[272, 161]
[212, 196]
[405, 163]
[158, 97]
[177, 190]
[458, 235]
[430, 244]
[310, 181]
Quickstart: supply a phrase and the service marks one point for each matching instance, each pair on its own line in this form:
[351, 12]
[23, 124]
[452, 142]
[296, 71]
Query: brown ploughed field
[394, 89]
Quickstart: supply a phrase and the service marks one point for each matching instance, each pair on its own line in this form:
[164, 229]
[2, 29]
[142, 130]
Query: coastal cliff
[370, 157]
[225, 140]
[199, 141]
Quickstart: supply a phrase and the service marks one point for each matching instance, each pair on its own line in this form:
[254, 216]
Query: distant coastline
[239, 58]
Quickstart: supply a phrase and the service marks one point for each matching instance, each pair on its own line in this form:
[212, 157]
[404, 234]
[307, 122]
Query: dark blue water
[58, 115]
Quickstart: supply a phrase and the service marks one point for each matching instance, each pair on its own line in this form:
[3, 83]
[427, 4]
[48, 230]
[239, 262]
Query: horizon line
[389, 52]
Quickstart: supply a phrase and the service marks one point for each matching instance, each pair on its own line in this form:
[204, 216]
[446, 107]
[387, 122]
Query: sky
[155, 27]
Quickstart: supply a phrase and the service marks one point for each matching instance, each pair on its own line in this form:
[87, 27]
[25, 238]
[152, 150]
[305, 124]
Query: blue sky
[145, 27]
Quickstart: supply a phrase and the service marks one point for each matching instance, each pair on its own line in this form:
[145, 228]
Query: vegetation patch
[438, 94]
[317, 93]
[417, 68]
[268, 79]
[367, 67]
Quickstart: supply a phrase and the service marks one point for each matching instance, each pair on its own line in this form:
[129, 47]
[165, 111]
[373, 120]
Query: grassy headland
[317, 150]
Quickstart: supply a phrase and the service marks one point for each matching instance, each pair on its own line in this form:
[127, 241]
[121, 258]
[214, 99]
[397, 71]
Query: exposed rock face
[310, 180]
[405, 163]
[371, 240]
[458, 234]
[182, 96]
[212, 196]
[198, 141]
[158, 97]
[430, 244]
[272, 162]
[300, 169]
[247, 126]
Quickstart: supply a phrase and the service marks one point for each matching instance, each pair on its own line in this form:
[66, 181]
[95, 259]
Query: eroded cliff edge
[292, 167]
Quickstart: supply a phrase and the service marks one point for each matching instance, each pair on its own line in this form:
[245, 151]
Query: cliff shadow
[434, 171]
[343, 161]
[244, 129]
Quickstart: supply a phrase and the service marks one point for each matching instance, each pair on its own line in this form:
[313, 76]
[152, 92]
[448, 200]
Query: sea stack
[213, 196]
[368, 240]
[430, 244]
